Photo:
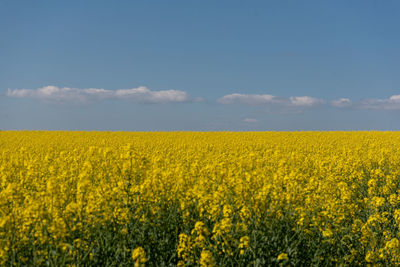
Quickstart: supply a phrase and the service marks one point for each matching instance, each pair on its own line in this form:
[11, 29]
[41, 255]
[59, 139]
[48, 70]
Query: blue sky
[200, 65]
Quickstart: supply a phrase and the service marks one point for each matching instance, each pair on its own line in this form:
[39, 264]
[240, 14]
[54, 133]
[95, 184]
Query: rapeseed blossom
[139, 256]
[206, 259]
[283, 256]
[190, 199]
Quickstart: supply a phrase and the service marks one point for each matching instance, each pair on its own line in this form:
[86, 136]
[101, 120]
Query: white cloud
[250, 120]
[341, 103]
[75, 95]
[247, 99]
[293, 101]
[391, 103]
[143, 94]
[305, 101]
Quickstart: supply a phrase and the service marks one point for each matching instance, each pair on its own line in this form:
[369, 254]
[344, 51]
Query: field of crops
[189, 198]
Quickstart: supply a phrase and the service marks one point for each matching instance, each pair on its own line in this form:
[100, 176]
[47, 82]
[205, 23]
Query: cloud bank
[391, 103]
[247, 99]
[254, 99]
[142, 94]
[302, 102]
[341, 103]
[75, 95]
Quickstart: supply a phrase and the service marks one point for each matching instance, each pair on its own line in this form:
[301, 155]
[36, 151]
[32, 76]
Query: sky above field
[200, 65]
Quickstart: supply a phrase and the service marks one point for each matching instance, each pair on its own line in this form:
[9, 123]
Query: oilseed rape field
[199, 199]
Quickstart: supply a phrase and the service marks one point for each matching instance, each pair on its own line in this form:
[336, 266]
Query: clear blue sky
[200, 65]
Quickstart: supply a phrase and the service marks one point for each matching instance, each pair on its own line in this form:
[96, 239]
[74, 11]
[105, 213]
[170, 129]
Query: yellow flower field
[199, 199]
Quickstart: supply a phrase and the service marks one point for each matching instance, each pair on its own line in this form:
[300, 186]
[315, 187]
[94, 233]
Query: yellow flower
[378, 201]
[244, 244]
[327, 233]
[370, 257]
[206, 259]
[282, 257]
[185, 247]
[139, 256]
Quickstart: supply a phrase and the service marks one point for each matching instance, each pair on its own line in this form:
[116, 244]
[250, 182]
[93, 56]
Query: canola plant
[199, 199]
